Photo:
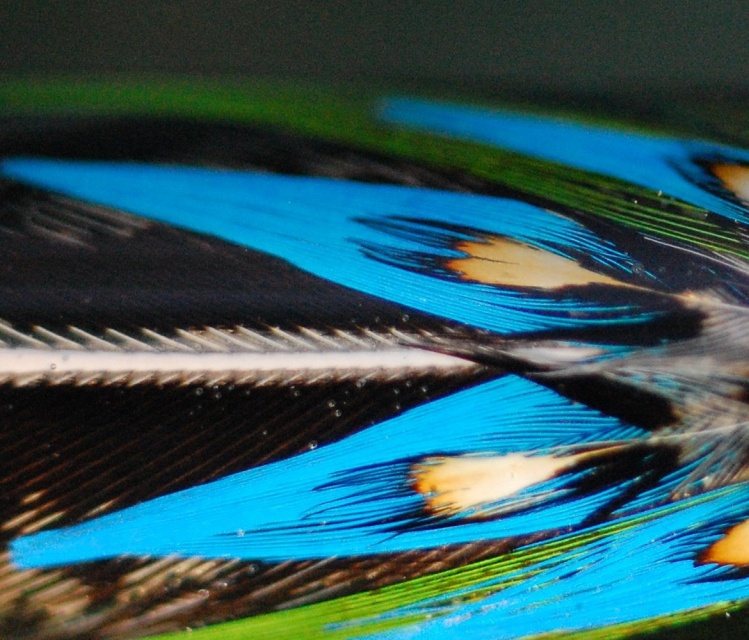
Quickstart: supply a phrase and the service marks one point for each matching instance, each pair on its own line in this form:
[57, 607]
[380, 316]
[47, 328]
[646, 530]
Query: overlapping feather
[602, 266]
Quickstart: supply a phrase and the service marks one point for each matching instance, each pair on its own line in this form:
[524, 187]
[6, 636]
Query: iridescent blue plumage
[363, 236]
[412, 246]
[588, 587]
[663, 164]
[579, 306]
[392, 242]
[359, 496]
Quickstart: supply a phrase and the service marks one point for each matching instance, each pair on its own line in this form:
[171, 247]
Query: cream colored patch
[500, 261]
[732, 548]
[734, 177]
[452, 485]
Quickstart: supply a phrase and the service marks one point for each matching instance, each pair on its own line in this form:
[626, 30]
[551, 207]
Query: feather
[688, 170]
[600, 274]
[382, 485]
[529, 591]
[391, 242]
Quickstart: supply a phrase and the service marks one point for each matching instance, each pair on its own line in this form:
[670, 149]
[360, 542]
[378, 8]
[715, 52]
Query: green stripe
[379, 610]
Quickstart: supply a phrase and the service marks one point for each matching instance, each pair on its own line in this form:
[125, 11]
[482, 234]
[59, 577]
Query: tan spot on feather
[500, 261]
[452, 485]
[734, 177]
[732, 548]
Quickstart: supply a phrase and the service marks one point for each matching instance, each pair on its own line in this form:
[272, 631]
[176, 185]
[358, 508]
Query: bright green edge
[347, 117]
[409, 603]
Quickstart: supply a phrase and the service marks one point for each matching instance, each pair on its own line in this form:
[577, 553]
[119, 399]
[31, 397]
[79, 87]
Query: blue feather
[552, 465]
[357, 496]
[598, 584]
[391, 242]
[660, 163]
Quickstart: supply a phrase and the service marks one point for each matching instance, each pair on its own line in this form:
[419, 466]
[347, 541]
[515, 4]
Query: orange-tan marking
[451, 485]
[500, 261]
[732, 548]
[734, 177]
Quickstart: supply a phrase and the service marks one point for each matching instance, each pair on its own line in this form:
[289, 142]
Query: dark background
[595, 45]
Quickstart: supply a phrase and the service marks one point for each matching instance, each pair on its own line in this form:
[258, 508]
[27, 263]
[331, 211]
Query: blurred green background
[595, 45]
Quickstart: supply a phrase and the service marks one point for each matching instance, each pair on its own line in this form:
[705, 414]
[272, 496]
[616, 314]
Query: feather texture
[584, 287]
[688, 170]
[374, 485]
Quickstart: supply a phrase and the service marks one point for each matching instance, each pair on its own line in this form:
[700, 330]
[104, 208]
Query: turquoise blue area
[659, 163]
[383, 240]
[598, 584]
[354, 497]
